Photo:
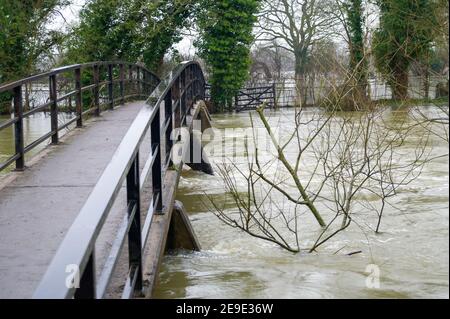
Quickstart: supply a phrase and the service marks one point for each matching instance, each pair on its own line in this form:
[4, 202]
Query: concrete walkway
[39, 206]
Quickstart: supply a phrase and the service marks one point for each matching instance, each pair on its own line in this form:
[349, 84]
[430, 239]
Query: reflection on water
[35, 126]
[412, 252]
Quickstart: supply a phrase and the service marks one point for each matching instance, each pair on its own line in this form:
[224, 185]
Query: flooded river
[34, 127]
[411, 254]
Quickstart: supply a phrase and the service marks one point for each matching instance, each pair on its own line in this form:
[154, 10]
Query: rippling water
[412, 252]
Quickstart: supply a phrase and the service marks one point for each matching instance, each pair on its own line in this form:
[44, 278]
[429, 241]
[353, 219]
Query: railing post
[138, 81]
[121, 83]
[134, 234]
[97, 90]
[53, 109]
[78, 97]
[130, 76]
[157, 165]
[110, 86]
[274, 88]
[87, 288]
[168, 116]
[18, 128]
[145, 86]
[183, 98]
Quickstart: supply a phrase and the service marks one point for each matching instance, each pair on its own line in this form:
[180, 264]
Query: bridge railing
[167, 108]
[81, 90]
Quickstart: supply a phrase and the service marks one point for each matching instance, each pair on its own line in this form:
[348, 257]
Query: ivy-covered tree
[405, 34]
[225, 38]
[358, 61]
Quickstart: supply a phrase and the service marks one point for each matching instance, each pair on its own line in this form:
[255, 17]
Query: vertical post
[110, 86]
[183, 98]
[168, 117]
[130, 76]
[97, 90]
[157, 164]
[78, 97]
[134, 234]
[138, 76]
[191, 89]
[145, 86]
[53, 109]
[18, 128]
[274, 88]
[87, 288]
[122, 87]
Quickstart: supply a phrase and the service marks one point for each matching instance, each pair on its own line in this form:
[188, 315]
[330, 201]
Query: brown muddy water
[411, 254]
[34, 127]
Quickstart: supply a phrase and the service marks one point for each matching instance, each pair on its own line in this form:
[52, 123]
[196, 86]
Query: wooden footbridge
[92, 215]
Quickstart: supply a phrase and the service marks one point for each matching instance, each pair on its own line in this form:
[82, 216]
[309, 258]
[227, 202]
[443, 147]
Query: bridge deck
[40, 204]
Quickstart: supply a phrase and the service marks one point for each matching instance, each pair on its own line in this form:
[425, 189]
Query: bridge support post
[18, 128]
[181, 233]
[196, 157]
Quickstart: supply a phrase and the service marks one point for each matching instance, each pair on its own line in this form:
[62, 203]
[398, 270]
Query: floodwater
[411, 254]
[34, 127]
[408, 259]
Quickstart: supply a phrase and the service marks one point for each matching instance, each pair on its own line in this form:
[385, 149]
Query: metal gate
[252, 97]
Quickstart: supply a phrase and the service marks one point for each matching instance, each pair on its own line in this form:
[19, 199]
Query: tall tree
[25, 36]
[358, 61]
[297, 25]
[107, 31]
[164, 22]
[132, 30]
[405, 34]
[225, 38]
[25, 39]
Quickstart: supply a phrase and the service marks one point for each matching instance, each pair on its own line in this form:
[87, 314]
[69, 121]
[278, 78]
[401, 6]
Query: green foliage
[163, 29]
[225, 38]
[107, 31]
[355, 23]
[24, 37]
[131, 30]
[405, 35]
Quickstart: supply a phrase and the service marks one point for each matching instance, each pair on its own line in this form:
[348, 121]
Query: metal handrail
[78, 246]
[142, 83]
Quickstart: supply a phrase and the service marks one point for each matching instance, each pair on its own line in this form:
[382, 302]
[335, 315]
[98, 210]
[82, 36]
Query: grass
[443, 101]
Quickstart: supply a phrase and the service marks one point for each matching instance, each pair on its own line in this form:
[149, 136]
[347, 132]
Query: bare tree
[331, 165]
[296, 25]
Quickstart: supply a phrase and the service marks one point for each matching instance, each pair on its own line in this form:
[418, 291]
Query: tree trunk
[300, 80]
[399, 85]
[426, 82]
[300, 90]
